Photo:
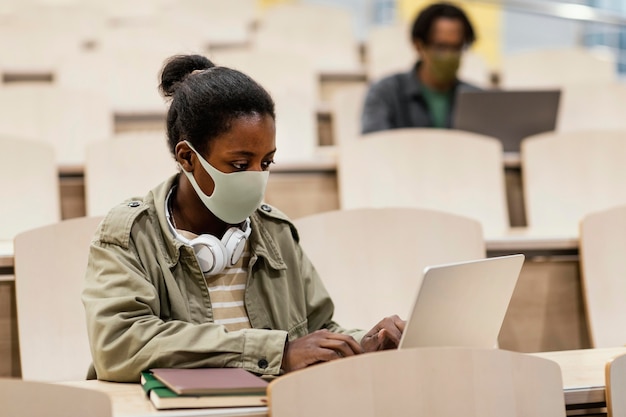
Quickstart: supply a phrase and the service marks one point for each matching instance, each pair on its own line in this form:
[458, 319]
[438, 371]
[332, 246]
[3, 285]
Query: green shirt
[438, 105]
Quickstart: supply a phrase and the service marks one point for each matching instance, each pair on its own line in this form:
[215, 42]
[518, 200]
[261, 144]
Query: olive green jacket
[147, 303]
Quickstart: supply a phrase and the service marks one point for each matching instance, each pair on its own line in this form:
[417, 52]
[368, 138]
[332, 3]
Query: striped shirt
[226, 291]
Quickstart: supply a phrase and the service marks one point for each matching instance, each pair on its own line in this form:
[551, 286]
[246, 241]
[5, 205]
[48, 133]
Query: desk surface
[528, 239]
[515, 240]
[129, 400]
[582, 370]
[583, 373]
[6, 254]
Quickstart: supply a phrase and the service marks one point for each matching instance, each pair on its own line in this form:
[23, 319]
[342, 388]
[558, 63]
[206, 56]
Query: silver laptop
[462, 304]
[507, 115]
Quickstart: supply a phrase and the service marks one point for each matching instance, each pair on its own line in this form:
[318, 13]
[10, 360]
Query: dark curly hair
[422, 26]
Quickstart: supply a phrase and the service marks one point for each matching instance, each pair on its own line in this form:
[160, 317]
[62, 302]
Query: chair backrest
[125, 166]
[382, 253]
[36, 399]
[219, 22]
[615, 386]
[443, 382]
[555, 67]
[567, 175]
[35, 38]
[293, 84]
[323, 34]
[30, 182]
[592, 105]
[128, 78]
[50, 265]
[346, 106]
[603, 268]
[68, 119]
[439, 169]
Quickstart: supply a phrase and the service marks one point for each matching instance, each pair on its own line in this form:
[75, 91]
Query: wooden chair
[443, 382]
[66, 118]
[124, 166]
[30, 181]
[294, 86]
[603, 268]
[346, 107]
[34, 38]
[36, 399]
[50, 264]
[438, 169]
[567, 175]
[221, 23]
[322, 34]
[615, 386]
[593, 105]
[556, 67]
[383, 252]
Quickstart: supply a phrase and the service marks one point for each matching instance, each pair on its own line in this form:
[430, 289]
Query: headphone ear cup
[234, 241]
[211, 254]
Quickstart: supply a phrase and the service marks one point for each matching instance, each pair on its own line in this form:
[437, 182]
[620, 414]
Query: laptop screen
[462, 304]
[507, 115]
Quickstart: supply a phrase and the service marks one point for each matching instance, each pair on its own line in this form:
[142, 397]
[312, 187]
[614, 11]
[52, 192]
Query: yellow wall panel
[266, 3]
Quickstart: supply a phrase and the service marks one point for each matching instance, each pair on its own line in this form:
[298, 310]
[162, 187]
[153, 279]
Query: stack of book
[169, 388]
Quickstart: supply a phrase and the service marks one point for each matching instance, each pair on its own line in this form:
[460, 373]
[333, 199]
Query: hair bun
[177, 68]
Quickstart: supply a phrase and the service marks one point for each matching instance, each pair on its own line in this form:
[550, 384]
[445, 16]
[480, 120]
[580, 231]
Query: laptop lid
[507, 115]
[462, 304]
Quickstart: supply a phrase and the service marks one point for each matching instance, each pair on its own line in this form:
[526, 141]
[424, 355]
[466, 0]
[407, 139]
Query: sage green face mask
[445, 65]
[235, 196]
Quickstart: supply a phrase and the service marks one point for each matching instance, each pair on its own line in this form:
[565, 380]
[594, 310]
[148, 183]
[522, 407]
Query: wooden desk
[9, 355]
[532, 243]
[582, 371]
[129, 400]
[583, 377]
[6, 257]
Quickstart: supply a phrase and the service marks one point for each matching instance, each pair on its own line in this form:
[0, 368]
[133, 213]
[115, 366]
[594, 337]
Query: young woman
[199, 273]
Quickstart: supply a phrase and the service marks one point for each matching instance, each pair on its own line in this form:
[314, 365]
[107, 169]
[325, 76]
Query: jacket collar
[263, 244]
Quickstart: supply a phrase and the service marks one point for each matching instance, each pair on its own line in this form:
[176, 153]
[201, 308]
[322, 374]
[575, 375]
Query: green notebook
[164, 398]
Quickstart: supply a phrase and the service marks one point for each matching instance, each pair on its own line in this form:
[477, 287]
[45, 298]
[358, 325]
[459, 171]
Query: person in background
[200, 273]
[424, 96]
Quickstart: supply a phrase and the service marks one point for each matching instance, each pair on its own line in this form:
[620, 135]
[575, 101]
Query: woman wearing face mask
[200, 273]
[424, 96]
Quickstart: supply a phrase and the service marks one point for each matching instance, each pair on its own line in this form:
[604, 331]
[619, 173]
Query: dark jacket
[397, 101]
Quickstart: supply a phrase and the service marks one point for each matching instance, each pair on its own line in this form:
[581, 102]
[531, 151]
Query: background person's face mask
[445, 65]
[235, 195]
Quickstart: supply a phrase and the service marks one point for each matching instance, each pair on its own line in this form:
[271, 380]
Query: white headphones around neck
[214, 255]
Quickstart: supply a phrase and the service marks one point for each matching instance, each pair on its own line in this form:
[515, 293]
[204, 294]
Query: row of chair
[72, 117]
[190, 24]
[118, 168]
[565, 176]
[428, 381]
[333, 240]
[380, 251]
[425, 381]
[348, 255]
